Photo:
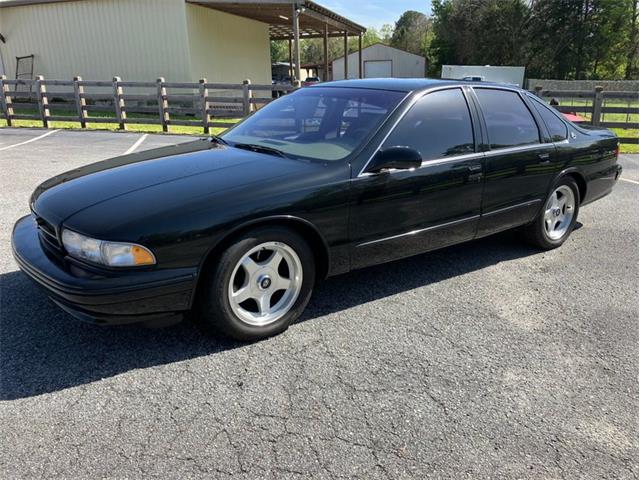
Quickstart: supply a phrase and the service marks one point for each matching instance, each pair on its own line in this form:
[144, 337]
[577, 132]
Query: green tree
[386, 32]
[631, 46]
[412, 32]
[479, 32]
[565, 39]
[577, 39]
[370, 37]
[279, 51]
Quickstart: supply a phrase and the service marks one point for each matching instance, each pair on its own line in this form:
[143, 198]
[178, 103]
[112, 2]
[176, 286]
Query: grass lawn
[627, 147]
[624, 117]
[72, 123]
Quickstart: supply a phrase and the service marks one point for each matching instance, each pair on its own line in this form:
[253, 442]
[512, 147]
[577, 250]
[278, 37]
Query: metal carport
[294, 20]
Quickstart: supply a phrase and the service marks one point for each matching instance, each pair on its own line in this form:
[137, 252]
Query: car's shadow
[43, 349]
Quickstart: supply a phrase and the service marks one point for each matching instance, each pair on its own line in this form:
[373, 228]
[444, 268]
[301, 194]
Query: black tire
[215, 313]
[536, 234]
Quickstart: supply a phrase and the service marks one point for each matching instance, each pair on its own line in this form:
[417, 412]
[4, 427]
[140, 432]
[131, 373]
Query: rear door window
[438, 126]
[509, 121]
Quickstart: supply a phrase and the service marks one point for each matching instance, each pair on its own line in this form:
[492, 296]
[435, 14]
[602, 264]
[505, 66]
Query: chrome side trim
[449, 224]
[520, 148]
[511, 207]
[421, 230]
[470, 156]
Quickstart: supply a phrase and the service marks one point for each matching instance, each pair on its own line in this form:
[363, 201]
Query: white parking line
[137, 144]
[629, 180]
[30, 140]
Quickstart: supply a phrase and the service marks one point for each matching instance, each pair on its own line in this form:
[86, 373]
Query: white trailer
[486, 73]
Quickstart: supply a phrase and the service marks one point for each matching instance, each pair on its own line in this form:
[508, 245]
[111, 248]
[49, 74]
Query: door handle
[475, 172]
[472, 172]
[545, 158]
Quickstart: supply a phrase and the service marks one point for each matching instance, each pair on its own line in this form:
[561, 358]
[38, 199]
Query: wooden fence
[595, 106]
[201, 104]
[207, 105]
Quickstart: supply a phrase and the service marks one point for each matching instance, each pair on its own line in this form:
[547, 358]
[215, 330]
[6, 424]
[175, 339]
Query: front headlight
[111, 254]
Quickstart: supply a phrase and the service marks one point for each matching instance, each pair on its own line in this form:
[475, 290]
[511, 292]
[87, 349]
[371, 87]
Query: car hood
[185, 170]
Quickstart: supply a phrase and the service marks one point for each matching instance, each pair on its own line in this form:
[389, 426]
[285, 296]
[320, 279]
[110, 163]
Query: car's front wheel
[558, 217]
[259, 285]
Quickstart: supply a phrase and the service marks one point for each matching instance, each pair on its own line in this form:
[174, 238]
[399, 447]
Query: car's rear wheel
[259, 285]
[558, 217]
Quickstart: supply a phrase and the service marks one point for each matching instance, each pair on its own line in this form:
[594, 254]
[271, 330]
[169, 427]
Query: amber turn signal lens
[142, 256]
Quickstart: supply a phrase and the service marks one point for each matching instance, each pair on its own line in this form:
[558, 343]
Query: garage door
[377, 68]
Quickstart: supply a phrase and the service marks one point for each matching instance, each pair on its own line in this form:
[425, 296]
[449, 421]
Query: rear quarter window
[557, 128]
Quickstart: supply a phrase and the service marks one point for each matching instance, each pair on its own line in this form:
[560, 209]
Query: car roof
[405, 84]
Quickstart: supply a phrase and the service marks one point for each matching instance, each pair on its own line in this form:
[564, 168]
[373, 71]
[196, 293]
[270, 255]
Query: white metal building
[224, 41]
[380, 61]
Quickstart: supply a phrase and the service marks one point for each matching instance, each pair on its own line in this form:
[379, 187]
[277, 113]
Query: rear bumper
[109, 298]
[601, 183]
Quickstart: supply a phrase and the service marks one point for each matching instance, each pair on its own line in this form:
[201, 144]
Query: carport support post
[360, 56]
[6, 100]
[43, 101]
[296, 42]
[163, 104]
[246, 97]
[325, 47]
[346, 55]
[118, 103]
[597, 106]
[204, 104]
[81, 103]
[290, 61]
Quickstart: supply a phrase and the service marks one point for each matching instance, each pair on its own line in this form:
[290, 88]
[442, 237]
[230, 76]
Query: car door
[519, 162]
[400, 213]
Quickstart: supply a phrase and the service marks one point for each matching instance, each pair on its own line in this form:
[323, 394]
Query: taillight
[617, 150]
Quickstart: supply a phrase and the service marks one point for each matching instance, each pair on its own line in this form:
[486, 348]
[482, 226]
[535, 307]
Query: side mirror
[401, 158]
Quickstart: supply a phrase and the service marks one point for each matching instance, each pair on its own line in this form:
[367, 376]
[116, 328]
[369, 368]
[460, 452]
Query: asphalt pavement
[485, 360]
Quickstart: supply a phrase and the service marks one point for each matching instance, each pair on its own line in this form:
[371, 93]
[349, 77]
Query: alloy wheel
[265, 283]
[559, 212]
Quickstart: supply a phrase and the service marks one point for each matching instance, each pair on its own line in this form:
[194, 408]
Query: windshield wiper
[218, 140]
[261, 149]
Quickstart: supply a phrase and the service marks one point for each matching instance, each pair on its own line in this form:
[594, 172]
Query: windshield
[320, 123]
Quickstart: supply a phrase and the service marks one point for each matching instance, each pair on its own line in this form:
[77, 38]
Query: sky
[375, 13]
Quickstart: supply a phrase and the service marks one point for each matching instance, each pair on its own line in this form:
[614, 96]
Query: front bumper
[109, 298]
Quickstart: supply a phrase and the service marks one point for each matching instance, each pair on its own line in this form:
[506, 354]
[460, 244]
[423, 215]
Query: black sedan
[237, 229]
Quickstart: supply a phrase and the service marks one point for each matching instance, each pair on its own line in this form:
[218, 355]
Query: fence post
[81, 103]
[597, 106]
[246, 97]
[204, 104]
[163, 105]
[538, 90]
[43, 101]
[118, 103]
[6, 100]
